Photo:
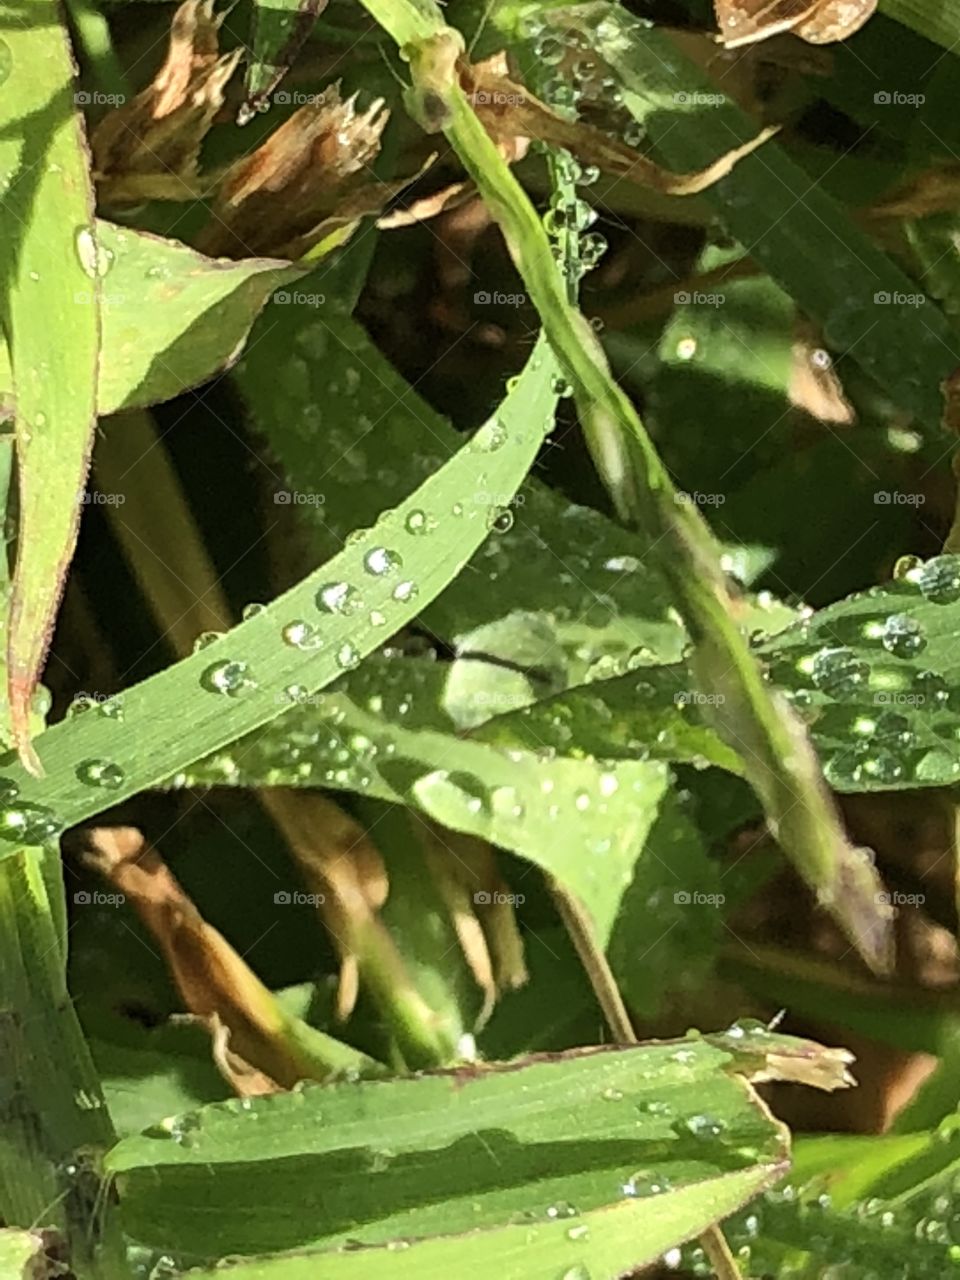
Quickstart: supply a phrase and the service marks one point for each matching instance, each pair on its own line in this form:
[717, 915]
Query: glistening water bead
[230, 678]
[101, 773]
[24, 823]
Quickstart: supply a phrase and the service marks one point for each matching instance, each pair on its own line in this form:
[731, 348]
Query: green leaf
[348, 607]
[939, 22]
[876, 676]
[280, 29]
[171, 317]
[586, 584]
[606, 1242]
[475, 1149]
[785, 221]
[581, 820]
[51, 255]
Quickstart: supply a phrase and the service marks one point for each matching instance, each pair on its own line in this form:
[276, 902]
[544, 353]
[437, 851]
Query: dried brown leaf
[148, 148]
[816, 21]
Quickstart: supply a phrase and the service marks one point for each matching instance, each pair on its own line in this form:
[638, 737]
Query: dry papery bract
[816, 21]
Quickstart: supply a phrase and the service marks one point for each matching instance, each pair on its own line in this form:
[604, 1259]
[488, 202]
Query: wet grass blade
[307, 637]
[50, 256]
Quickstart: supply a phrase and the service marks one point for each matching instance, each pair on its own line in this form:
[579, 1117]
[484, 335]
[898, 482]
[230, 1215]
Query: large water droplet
[419, 523]
[338, 597]
[301, 635]
[938, 579]
[405, 591]
[347, 657]
[231, 678]
[94, 258]
[26, 823]
[101, 773]
[380, 561]
[500, 519]
[838, 672]
[903, 636]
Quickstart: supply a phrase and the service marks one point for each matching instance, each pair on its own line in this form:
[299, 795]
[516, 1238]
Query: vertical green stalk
[760, 726]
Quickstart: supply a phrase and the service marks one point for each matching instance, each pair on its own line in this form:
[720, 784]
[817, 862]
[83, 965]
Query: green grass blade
[218, 694]
[939, 22]
[473, 1149]
[778, 761]
[50, 257]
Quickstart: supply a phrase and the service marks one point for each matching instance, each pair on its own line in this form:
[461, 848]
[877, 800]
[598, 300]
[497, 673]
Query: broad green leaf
[786, 222]
[876, 676]
[605, 1242]
[22, 1254]
[171, 317]
[474, 1149]
[301, 642]
[312, 375]
[582, 821]
[51, 255]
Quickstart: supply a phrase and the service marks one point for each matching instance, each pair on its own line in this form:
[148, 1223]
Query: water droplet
[419, 523]
[381, 561]
[338, 597]
[405, 591]
[903, 636]
[645, 1182]
[549, 50]
[101, 773]
[229, 677]
[301, 635]
[205, 639]
[838, 672]
[580, 1232]
[347, 657]
[491, 437]
[6, 60]
[95, 259]
[702, 1126]
[938, 579]
[500, 519]
[111, 708]
[26, 823]
[562, 1210]
[9, 790]
[251, 610]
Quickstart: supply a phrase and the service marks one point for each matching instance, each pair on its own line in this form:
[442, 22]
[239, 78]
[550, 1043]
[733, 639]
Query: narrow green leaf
[348, 608]
[939, 22]
[50, 256]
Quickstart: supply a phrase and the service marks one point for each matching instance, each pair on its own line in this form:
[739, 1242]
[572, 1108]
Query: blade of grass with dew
[55, 1123]
[778, 760]
[51, 256]
[470, 1149]
[322, 379]
[610, 1241]
[582, 821]
[348, 608]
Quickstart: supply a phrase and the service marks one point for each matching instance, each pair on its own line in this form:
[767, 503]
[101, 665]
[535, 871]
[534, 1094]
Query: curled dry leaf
[308, 179]
[254, 1040]
[816, 21]
[465, 871]
[814, 385]
[148, 148]
[509, 110]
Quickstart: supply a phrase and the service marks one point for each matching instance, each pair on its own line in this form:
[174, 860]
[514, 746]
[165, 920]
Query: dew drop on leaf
[500, 519]
[939, 579]
[338, 597]
[381, 561]
[903, 636]
[230, 677]
[28, 823]
[101, 773]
